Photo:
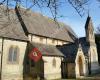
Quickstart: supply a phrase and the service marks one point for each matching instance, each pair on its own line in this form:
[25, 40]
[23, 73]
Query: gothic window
[10, 54]
[54, 62]
[13, 54]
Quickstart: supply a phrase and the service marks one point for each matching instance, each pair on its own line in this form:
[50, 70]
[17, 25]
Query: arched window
[13, 54]
[10, 54]
[54, 62]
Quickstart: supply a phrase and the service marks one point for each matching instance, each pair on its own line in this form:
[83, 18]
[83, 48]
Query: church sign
[35, 55]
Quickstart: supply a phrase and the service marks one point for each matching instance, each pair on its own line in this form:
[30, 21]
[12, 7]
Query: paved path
[95, 77]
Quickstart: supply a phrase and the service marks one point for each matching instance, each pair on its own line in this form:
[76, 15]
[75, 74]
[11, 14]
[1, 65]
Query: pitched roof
[10, 26]
[35, 24]
[46, 50]
[69, 51]
[84, 45]
[43, 26]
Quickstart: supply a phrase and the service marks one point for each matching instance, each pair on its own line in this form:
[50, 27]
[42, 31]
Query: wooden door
[80, 66]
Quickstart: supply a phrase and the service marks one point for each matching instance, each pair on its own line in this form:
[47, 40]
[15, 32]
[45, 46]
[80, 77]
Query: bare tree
[53, 5]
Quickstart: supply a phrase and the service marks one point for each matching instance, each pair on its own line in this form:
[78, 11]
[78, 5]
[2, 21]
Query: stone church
[21, 31]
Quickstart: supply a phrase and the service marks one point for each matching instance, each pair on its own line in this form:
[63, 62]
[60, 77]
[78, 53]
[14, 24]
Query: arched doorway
[80, 66]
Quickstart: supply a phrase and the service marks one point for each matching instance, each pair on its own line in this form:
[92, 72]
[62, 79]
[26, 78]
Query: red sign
[35, 54]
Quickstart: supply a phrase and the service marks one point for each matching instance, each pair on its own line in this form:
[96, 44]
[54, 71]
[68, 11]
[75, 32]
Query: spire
[89, 29]
[88, 21]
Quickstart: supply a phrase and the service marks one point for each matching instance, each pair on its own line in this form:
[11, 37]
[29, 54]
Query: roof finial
[88, 13]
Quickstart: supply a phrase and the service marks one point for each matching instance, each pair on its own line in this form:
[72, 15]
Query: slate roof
[10, 26]
[35, 24]
[69, 51]
[43, 26]
[46, 50]
[84, 45]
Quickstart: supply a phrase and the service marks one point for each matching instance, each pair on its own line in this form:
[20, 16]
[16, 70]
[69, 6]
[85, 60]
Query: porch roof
[70, 51]
[46, 50]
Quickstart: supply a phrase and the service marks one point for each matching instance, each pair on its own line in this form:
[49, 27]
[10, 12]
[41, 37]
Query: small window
[53, 41]
[54, 62]
[13, 54]
[10, 54]
[41, 39]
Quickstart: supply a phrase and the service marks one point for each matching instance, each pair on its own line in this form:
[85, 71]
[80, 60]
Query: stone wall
[50, 71]
[93, 53]
[13, 71]
[94, 59]
[44, 69]
[34, 38]
[71, 70]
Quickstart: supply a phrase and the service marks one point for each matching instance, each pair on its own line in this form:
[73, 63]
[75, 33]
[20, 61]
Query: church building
[33, 46]
[23, 33]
